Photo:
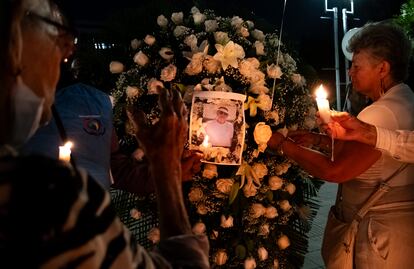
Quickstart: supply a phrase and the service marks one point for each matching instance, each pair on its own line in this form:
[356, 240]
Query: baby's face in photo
[222, 117]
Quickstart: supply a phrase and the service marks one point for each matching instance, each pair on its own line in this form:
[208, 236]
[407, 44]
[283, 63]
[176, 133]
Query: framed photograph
[217, 126]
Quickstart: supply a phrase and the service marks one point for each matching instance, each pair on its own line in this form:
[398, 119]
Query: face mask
[27, 109]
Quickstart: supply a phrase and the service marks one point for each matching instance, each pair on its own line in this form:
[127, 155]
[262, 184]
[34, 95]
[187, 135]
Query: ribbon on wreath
[263, 102]
[247, 172]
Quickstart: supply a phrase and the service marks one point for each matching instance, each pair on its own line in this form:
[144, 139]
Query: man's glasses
[66, 34]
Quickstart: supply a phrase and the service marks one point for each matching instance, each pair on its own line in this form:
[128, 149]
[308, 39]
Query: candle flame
[321, 92]
[205, 141]
[68, 145]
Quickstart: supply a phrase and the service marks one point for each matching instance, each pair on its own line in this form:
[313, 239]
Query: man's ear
[385, 69]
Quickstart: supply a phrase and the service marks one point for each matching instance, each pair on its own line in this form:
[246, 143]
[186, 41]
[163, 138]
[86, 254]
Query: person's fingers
[137, 118]
[177, 103]
[340, 116]
[165, 101]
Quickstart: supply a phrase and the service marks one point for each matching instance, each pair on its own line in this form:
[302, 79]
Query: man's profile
[220, 130]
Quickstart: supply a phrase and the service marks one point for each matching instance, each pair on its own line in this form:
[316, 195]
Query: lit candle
[205, 145]
[323, 104]
[64, 152]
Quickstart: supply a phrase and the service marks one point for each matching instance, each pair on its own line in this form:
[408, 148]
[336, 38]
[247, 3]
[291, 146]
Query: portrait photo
[217, 126]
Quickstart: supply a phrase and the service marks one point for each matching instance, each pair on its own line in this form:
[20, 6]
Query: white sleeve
[398, 144]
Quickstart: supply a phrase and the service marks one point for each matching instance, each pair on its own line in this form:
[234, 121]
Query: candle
[205, 145]
[64, 152]
[323, 104]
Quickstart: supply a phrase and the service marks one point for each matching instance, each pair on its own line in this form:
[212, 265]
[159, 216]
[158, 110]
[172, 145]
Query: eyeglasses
[66, 35]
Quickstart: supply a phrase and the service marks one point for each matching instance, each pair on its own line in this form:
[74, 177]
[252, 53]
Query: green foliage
[406, 17]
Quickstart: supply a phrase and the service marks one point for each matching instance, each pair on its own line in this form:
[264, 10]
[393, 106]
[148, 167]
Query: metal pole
[337, 77]
[345, 27]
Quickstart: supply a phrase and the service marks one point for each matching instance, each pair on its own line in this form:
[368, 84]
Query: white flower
[262, 253]
[149, 40]
[154, 85]
[283, 242]
[211, 65]
[195, 194]
[214, 234]
[162, 21]
[132, 91]
[259, 48]
[264, 102]
[211, 25]
[258, 88]
[199, 18]
[290, 188]
[229, 54]
[116, 67]
[180, 31]
[272, 115]
[249, 190]
[154, 235]
[271, 212]
[250, 263]
[199, 228]
[275, 183]
[257, 210]
[135, 213]
[221, 86]
[236, 22]
[135, 43]
[224, 185]
[210, 171]
[258, 35]
[262, 133]
[140, 58]
[285, 205]
[177, 17]
[196, 65]
[250, 24]
[168, 73]
[221, 38]
[191, 41]
[298, 79]
[226, 222]
[274, 71]
[264, 230]
[194, 10]
[166, 53]
[282, 168]
[220, 258]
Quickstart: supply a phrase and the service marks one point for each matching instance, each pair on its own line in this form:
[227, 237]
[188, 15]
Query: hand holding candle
[323, 104]
[64, 152]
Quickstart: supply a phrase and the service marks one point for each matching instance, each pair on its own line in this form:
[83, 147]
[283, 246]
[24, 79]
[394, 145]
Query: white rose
[220, 258]
[221, 38]
[285, 205]
[211, 65]
[226, 222]
[283, 242]
[154, 235]
[135, 43]
[258, 88]
[257, 210]
[168, 73]
[249, 263]
[196, 65]
[162, 21]
[290, 188]
[191, 41]
[249, 190]
[236, 22]
[264, 230]
[282, 168]
[214, 234]
[132, 91]
[264, 102]
[271, 212]
[199, 18]
[199, 228]
[258, 35]
[275, 183]
[177, 17]
[274, 71]
[260, 169]
[259, 46]
[149, 40]
[116, 67]
[202, 209]
[262, 253]
[180, 31]
[194, 10]
[140, 58]
[153, 86]
[166, 53]
[250, 24]
[135, 213]
[262, 133]
[256, 77]
[195, 194]
[210, 171]
[211, 25]
[298, 79]
[224, 185]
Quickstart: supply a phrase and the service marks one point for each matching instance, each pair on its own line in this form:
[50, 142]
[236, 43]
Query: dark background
[306, 34]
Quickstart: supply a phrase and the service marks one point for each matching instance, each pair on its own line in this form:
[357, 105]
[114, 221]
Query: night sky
[309, 35]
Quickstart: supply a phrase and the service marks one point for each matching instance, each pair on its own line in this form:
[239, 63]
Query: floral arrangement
[255, 214]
